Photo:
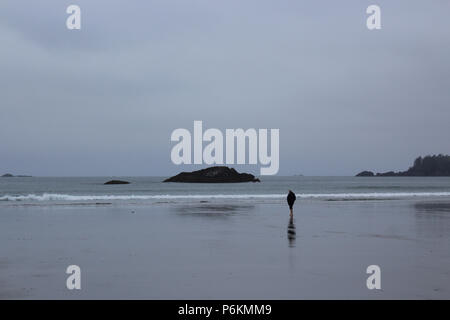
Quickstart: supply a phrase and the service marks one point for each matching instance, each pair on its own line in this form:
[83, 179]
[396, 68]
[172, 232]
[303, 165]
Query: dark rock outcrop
[429, 166]
[7, 175]
[117, 182]
[365, 174]
[220, 174]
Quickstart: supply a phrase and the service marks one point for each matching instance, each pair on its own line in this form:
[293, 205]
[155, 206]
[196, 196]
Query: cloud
[344, 98]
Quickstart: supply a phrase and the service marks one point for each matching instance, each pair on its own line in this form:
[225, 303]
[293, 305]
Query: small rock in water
[117, 182]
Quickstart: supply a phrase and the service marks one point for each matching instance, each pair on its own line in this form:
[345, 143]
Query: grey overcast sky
[104, 100]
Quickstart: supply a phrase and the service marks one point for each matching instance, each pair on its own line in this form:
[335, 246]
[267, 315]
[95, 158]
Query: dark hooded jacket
[291, 199]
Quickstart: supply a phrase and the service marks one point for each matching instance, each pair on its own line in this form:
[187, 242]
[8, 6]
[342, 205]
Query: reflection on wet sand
[216, 210]
[291, 234]
[432, 207]
[432, 219]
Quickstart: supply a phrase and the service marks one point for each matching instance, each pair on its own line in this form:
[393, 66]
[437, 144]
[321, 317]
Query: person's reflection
[291, 232]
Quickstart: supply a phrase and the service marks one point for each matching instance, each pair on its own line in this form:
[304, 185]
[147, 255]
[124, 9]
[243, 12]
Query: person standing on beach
[290, 200]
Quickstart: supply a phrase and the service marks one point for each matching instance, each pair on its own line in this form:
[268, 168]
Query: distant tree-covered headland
[428, 166]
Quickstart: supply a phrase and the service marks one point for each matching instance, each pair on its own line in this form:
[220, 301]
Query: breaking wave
[325, 196]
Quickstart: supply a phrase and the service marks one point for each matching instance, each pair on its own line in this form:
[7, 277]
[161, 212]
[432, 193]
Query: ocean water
[159, 240]
[79, 190]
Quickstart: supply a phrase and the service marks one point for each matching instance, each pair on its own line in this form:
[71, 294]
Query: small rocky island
[428, 166]
[9, 175]
[219, 174]
[117, 182]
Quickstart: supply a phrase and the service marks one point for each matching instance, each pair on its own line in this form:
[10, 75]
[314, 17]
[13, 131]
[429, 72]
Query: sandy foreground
[227, 250]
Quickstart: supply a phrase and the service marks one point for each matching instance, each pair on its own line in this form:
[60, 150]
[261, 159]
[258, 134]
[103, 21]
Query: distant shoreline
[428, 166]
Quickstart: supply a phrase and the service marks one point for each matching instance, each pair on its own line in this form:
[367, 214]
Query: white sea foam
[334, 196]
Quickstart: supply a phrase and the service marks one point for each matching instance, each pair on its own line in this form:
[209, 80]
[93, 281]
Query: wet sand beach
[225, 249]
